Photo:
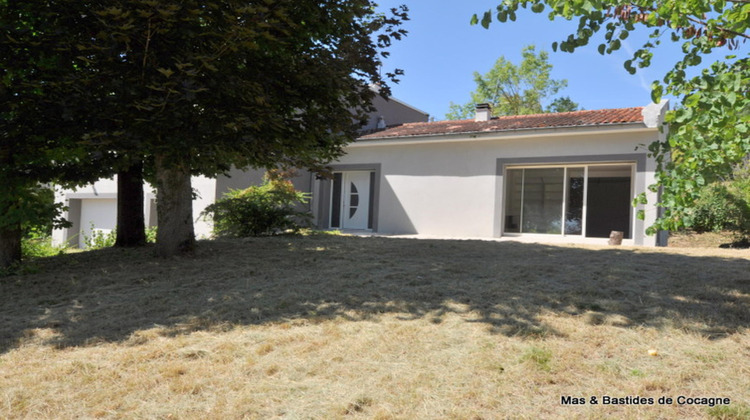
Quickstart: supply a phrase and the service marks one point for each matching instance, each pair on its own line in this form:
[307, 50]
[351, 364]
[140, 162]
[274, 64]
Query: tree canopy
[195, 87]
[201, 86]
[514, 89]
[710, 128]
[37, 135]
[563, 104]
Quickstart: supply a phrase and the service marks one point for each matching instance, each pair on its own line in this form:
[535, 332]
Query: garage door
[97, 215]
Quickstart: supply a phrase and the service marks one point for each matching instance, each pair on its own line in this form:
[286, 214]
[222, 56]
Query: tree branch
[702, 22]
[722, 29]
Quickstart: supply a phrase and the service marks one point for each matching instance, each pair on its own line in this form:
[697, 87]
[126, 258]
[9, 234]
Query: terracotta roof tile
[515, 122]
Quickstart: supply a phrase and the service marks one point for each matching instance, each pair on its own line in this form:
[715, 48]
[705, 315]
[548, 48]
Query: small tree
[513, 90]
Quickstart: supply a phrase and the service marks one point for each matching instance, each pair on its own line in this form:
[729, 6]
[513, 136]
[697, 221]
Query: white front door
[355, 199]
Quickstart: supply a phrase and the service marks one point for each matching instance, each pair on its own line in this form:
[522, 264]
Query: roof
[600, 117]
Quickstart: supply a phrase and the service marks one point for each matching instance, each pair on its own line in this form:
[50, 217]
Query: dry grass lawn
[689, 239]
[330, 327]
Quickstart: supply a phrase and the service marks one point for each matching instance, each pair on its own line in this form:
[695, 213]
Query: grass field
[347, 327]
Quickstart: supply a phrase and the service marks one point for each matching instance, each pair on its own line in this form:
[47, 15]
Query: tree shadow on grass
[111, 295]
[741, 243]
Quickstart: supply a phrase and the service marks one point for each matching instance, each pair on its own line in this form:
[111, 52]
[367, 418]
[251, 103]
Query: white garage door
[97, 214]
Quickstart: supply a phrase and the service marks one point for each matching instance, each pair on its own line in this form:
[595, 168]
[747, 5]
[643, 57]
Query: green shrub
[38, 243]
[266, 209]
[100, 239]
[741, 188]
[723, 206]
[151, 234]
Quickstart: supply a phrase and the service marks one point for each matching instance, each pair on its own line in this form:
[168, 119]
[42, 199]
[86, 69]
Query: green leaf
[692, 100]
[165, 72]
[474, 19]
[657, 90]
[731, 98]
[487, 19]
[629, 66]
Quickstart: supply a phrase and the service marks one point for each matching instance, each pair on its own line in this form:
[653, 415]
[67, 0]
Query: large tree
[710, 129]
[38, 143]
[514, 89]
[194, 87]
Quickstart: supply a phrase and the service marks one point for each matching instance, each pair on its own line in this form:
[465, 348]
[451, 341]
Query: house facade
[551, 177]
[567, 177]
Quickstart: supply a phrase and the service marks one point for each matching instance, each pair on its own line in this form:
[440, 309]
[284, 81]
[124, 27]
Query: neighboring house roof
[515, 122]
[398, 101]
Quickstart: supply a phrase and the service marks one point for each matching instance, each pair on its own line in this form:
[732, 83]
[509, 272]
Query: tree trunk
[174, 206]
[10, 246]
[131, 227]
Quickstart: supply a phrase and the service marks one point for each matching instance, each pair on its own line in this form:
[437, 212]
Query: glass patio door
[588, 200]
[545, 200]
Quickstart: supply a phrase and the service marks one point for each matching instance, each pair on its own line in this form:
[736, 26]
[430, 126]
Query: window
[585, 200]
[336, 200]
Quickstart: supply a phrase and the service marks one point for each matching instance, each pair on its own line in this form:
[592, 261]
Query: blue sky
[443, 50]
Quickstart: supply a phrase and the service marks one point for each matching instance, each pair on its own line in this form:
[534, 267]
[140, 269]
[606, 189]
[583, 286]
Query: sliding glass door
[542, 200]
[574, 200]
[558, 201]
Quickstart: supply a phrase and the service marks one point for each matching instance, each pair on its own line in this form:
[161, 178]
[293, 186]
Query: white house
[550, 177]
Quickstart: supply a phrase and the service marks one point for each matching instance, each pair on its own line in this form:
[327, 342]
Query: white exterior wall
[449, 187]
[205, 189]
[97, 204]
[93, 205]
[97, 215]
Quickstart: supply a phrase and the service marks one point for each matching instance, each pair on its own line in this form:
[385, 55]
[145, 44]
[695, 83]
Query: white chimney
[483, 112]
[653, 114]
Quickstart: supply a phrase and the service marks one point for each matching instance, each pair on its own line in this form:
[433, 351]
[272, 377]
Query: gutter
[502, 134]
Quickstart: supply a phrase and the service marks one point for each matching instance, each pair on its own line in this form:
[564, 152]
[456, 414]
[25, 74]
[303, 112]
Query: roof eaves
[524, 129]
